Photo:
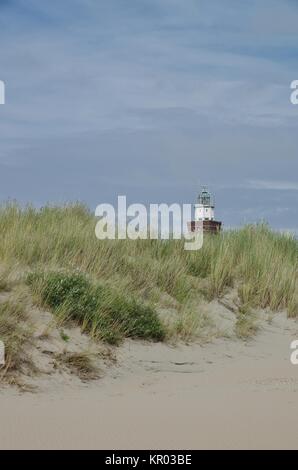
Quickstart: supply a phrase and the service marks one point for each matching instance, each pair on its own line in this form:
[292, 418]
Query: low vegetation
[118, 289]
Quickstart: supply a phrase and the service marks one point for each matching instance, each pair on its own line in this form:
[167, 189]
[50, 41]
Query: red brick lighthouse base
[208, 226]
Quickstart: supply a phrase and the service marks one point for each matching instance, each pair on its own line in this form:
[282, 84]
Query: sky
[151, 99]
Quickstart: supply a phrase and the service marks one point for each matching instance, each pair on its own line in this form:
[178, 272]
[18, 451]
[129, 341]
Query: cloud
[87, 66]
[273, 185]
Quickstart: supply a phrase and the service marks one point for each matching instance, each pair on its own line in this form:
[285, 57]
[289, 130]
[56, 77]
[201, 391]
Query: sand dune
[228, 394]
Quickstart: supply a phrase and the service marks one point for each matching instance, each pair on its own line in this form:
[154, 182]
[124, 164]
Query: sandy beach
[228, 394]
[149, 226]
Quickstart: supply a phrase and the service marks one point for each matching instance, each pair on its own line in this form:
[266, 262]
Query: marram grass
[131, 280]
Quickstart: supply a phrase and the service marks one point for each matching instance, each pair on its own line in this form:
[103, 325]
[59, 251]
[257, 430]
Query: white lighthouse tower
[204, 208]
[204, 214]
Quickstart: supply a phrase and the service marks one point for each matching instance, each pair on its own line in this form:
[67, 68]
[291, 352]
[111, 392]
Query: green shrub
[98, 308]
[71, 290]
[134, 319]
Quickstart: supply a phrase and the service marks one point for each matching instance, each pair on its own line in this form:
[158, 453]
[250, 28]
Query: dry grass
[15, 333]
[246, 324]
[82, 364]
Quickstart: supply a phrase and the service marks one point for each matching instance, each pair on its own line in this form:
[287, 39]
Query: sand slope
[228, 394]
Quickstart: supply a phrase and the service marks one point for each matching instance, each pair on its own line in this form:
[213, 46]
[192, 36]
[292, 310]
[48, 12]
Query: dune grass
[15, 333]
[114, 288]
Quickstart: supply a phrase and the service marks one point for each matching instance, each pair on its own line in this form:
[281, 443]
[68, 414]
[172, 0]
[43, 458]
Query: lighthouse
[204, 213]
[204, 208]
